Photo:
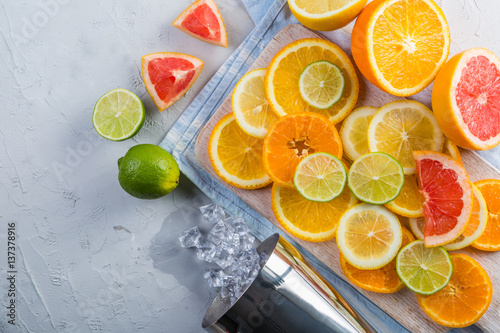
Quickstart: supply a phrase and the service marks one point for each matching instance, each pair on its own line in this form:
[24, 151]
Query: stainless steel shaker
[286, 296]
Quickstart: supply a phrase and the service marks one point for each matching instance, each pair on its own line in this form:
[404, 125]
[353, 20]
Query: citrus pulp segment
[369, 236]
[451, 149]
[203, 20]
[465, 99]
[401, 127]
[381, 280]
[424, 270]
[308, 220]
[400, 45]
[320, 177]
[465, 298]
[447, 193]
[490, 239]
[168, 76]
[118, 115]
[409, 201]
[354, 131]
[294, 137]
[321, 84]
[326, 15]
[253, 113]
[376, 178]
[236, 156]
[283, 74]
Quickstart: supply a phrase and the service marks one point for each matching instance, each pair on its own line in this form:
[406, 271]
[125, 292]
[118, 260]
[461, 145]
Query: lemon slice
[251, 110]
[320, 177]
[354, 131]
[376, 178]
[321, 84]
[369, 236]
[236, 156]
[401, 127]
[409, 201]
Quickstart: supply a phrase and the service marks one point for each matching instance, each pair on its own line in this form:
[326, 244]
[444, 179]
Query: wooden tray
[402, 305]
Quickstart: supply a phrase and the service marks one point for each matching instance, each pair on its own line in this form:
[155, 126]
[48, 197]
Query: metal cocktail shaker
[286, 296]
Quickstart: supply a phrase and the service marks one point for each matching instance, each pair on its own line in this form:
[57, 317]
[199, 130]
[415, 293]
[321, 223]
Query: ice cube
[222, 258]
[217, 233]
[238, 224]
[246, 242]
[205, 250]
[215, 277]
[212, 213]
[190, 237]
[230, 241]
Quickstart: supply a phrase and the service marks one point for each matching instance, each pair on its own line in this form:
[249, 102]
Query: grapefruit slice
[447, 193]
[168, 76]
[466, 99]
[202, 20]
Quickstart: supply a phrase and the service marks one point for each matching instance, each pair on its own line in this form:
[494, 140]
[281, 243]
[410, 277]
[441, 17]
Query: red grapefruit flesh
[168, 76]
[203, 20]
[447, 193]
[466, 99]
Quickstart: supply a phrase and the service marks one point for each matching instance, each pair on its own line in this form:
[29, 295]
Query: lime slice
[118, 115]
[425, 270]
[320, 177]
[376, 178]
[321, 84]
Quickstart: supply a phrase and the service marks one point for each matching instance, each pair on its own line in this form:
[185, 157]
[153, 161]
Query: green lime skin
[148, 172]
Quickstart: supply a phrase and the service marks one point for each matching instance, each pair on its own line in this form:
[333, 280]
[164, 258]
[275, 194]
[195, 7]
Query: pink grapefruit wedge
[447, 197]
[203, 20]
[466, 99]
[168, 76]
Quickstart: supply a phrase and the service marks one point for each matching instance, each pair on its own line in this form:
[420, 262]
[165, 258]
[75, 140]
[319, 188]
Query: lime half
[118, 115]
[320, 177]
[376, 178]
[321, 84]
[424, 270]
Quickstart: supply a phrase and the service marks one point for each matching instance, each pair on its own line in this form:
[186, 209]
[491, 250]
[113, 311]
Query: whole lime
[148, 172]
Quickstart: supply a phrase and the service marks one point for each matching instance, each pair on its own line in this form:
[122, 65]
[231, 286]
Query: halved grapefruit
[203, 20]
[466, 99]
[447, 193]
[168, 76]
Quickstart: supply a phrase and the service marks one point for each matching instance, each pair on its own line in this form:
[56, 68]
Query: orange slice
[236, 156]
[168, 76]
[447, 193]
[465, 99]
[382, 280]
[400, 45]
[292, 138]
[309, 220]
[203, 20]
[490, 239]
[409, 201]
[465, 298]
[283, 73]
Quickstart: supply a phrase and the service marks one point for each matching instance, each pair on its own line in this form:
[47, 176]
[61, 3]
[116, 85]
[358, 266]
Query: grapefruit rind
[445, 106]
[223, 33]
[150, 87]
[467, 198]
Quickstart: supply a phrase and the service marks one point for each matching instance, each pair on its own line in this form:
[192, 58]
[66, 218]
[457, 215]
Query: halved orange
[447, 193]
[168, 76]
[400, 45]
[236, 156]
[490, 239]
[292, 138]
[203, 20]
[465, 99]
[283, 73]
[465, 298]
[309, 220]
[382, 280]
